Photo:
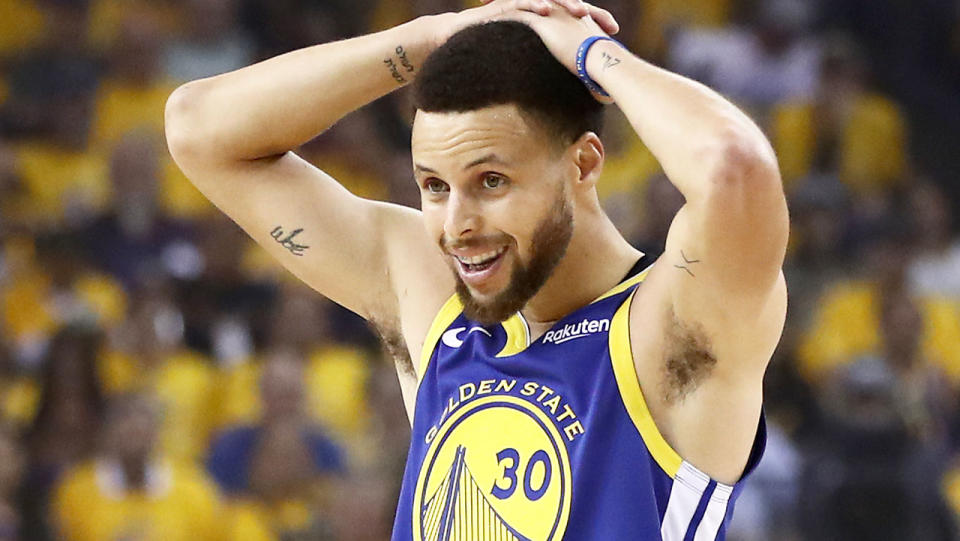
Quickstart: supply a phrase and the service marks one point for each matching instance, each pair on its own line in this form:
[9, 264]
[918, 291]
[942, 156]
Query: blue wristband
[582, 63]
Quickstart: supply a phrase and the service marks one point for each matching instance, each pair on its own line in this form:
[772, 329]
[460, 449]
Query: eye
[435, 185]
[493, 181]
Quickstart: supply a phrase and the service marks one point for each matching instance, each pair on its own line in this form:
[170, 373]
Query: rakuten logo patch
[572, 331]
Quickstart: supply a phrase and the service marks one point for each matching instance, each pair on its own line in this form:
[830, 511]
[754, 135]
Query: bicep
[339, 244]
[724, 256]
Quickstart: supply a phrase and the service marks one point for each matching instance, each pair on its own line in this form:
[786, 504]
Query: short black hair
[506, 62]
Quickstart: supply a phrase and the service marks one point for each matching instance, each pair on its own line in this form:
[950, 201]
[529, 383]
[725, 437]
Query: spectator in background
[820, 204]
[54, 289]
[276, 471]
[130, 491]
[210, 43]
[54, 80]
[148, 354]
[233, 453]
[336, 366]
[289, 501]
[134, 238]
[925, 400]
[885, 445]
[366, 511]
[869, 474]
[851, 130]
[935, 269]
[224, 303]
[133, 91]
[771, 61]
[12, 462]
[66, 422]
[847, 322]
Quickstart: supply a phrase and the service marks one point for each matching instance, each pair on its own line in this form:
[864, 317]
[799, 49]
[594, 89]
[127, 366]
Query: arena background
[139, 325]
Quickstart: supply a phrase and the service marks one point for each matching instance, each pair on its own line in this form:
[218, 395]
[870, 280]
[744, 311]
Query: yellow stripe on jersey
[518, 336]
[629, 384]
[626, 284]
[447, 314]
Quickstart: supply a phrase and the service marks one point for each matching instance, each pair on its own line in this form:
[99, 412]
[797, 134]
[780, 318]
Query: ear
[588, 156]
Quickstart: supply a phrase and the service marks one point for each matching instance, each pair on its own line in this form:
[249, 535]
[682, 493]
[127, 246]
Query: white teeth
[482, 258]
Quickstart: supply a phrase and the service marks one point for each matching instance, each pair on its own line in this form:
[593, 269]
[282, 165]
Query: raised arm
[711, 313]
[233, 136]
[727, 244]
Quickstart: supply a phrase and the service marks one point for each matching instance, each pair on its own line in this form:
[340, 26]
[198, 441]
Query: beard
[551, 239]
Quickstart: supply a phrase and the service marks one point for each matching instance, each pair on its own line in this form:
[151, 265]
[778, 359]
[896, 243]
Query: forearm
[279, 104]
[695, 134]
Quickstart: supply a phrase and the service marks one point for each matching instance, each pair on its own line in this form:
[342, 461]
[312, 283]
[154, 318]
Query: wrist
[407, 46]
[432, 30]
[602, 60]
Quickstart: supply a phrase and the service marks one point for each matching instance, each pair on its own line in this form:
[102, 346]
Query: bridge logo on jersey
[497, 469]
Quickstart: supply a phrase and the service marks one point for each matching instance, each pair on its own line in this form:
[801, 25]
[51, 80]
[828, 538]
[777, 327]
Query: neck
[597, 259]
[135, 472]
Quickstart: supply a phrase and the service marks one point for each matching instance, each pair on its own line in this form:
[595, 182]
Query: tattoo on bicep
[609, 61]
[401, 61]
[687, 263]
[285, 239]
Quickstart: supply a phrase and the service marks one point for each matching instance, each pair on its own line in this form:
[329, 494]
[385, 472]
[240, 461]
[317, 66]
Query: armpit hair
[394, 347]
[688, 359]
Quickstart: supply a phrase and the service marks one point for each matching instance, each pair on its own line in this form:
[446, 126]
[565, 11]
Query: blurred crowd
[162, 379]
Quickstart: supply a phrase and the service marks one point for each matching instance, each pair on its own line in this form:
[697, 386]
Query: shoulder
[76, 490]
[236, 436]
[192, 485]
[80, 478]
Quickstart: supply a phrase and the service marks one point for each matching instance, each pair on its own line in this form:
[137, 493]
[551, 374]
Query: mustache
[448, 244]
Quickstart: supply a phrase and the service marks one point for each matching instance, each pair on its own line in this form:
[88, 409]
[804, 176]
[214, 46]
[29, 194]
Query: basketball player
[552, 395]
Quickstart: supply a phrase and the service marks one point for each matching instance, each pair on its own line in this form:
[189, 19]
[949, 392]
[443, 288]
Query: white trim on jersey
[715, 513]
[688, 487]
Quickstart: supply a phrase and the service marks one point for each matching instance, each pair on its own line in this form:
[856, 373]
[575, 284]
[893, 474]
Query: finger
[540, 7]
[605, 19]
[577, 8]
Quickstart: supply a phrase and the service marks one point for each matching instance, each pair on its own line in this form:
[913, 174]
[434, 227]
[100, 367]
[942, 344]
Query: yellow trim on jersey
[625, 285]
[625, 372]
[518, 336]
[447, 314]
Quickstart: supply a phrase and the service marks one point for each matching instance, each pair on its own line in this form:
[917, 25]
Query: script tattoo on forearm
[401, 61]
[687, 263]
[609, 61]
[285, 239]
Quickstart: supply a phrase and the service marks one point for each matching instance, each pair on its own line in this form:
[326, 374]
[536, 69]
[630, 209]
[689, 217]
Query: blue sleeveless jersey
[548, 440]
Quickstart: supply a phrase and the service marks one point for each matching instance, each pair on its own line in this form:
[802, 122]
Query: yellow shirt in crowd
[847, 325]
[180, 504]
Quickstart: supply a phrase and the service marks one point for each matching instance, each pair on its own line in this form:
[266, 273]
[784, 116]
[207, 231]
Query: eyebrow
[489, 158]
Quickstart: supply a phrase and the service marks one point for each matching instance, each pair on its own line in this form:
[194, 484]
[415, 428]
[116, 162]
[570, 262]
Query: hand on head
[493, 10]
[562, 24]
[577, 8]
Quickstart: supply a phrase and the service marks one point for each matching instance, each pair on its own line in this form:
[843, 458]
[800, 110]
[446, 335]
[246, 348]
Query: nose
[462, 217]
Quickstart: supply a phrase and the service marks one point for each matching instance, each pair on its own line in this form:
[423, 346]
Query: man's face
[494, 195]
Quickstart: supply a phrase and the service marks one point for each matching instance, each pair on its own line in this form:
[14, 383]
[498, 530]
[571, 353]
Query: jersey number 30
[510, 460]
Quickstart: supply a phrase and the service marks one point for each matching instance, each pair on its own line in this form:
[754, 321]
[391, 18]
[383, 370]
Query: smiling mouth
[480, 262]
